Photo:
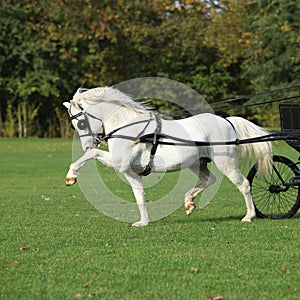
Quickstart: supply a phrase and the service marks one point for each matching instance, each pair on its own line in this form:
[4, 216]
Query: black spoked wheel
[275, 196]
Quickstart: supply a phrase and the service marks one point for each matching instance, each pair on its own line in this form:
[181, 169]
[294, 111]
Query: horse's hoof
[71, 181]
[139, 224]
[247, 220]
[190, 208]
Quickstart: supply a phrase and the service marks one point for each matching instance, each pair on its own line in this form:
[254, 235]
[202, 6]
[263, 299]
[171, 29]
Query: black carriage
[277, 195]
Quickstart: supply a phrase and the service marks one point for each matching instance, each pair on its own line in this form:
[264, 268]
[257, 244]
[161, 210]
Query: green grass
[73, 251]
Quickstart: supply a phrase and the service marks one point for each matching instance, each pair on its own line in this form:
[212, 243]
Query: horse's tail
[263, 150]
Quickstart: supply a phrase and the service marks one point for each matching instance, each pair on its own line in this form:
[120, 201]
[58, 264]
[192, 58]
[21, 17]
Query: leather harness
[155, 136]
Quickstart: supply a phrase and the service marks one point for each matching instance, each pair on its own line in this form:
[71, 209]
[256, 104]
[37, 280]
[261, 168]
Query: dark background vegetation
[219, 48]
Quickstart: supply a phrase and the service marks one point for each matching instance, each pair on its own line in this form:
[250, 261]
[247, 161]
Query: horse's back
[201, 127]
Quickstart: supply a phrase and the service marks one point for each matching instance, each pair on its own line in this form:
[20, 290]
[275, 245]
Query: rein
[149, 138]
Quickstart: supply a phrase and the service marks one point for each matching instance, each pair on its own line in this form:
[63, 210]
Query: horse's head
[88, 125]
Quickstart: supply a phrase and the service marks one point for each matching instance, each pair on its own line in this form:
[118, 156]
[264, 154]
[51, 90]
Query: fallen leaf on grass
[109, 244]
[194, 270]
[14, 262]
[91, 295]
[214, 298]
[286, 271]
[86, 285]
[46, 198]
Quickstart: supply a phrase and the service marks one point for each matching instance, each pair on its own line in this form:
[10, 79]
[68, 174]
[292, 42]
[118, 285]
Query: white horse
[140, 142]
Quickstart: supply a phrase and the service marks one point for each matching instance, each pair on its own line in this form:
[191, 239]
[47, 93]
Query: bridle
[84, 123]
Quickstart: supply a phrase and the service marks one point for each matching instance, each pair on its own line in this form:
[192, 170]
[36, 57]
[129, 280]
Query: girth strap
[155, 143]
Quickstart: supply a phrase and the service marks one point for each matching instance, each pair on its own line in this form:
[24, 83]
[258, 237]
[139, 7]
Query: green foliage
[219, 48]
[274, 56]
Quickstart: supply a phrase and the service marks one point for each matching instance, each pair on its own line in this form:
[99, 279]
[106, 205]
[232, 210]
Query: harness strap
[275, 136]
[231, 124]
[110, 134]
[155, 143]
[154, 140]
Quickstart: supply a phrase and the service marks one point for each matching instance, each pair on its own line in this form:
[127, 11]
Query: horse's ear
[67, 105]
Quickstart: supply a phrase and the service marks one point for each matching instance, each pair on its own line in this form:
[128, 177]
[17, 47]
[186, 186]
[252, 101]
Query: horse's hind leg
[207, 178]
[231, 170]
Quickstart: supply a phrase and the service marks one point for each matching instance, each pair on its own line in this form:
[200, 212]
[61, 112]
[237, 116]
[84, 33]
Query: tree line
[219, 48]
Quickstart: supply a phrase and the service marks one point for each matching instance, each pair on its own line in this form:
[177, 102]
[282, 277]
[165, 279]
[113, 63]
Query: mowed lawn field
[56, 245]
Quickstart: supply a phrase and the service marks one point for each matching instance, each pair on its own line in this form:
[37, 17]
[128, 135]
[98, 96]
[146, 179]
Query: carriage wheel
[275, 196]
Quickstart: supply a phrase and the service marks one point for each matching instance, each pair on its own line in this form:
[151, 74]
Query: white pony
[140, 142]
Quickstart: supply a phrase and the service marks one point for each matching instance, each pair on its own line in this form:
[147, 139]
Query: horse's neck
[115, 116]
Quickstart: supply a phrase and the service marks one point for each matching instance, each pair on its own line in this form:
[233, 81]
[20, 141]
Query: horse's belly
[174, 158]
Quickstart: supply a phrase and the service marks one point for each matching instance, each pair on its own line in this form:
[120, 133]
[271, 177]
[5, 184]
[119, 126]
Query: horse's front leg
[136, 184]
[72, 174]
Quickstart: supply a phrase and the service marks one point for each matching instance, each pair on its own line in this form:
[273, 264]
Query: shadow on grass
[203, 219]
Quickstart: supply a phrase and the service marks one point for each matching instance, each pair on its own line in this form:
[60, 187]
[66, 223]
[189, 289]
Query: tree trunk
[24, 114]
[19, 113]
[1, 124]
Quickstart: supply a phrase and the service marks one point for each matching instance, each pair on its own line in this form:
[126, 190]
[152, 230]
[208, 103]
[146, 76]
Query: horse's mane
[107, 94]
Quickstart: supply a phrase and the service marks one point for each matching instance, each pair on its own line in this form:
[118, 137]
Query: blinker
[82, 124]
